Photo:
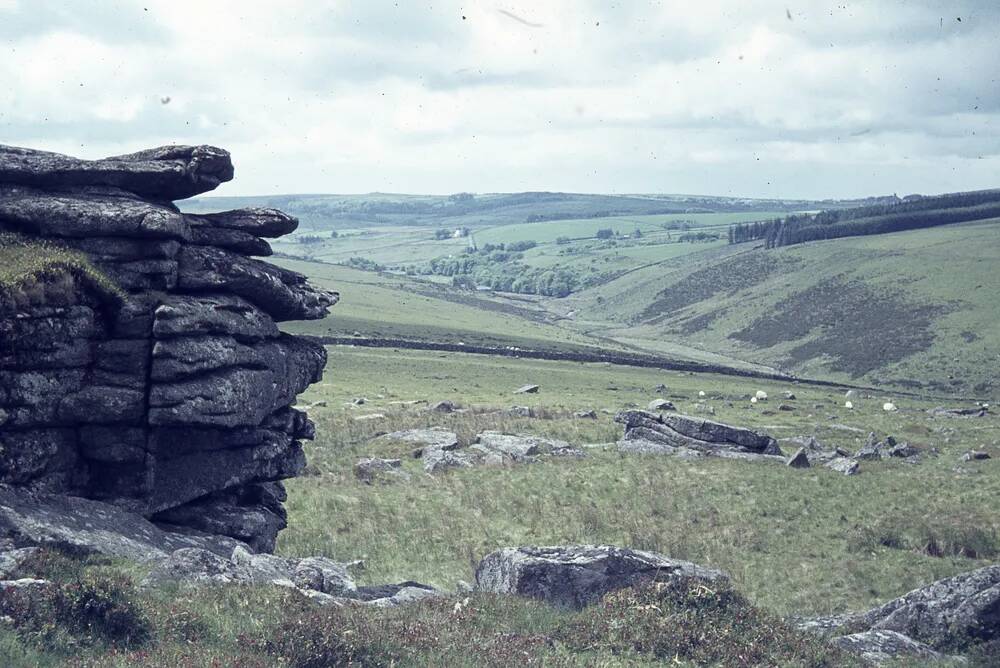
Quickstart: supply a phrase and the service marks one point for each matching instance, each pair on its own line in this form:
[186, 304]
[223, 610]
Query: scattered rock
[579, 575]
[845, 465]
[432, 438]
[359, 401]
[978, 411]
[661, 405]
[11, 560]
[443, 407]
[437, 461]
[527, 389]
[522, 411]
[904, 450]
[974, 455]
[879, 646]
[369, 416]
[786, 407]
[660, 388]
[800, 460]
[704, 408]
[872, 449]
[586, 415]
[30, 586]
[790, 396]
[369, 469]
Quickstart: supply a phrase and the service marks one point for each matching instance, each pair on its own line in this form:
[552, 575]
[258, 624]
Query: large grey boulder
[167, 172]
[946, 611]
[193, 567]
[579, 575]
[675, 431]
[87, 526]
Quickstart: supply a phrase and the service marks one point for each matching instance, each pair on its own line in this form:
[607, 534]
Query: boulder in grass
[947, 613]
[518, 447]
[706, 436]
[800, 460]
[879, 646]
[845, 465]
[575, 576]
[661, 405]
[371, 469]
[433, 438]
[527, 389]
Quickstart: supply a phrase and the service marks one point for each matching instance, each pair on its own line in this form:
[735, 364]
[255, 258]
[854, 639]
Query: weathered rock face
[172, 400]
[579, 575]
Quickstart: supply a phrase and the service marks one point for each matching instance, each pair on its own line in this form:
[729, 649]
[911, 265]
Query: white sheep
[848, 404]
[889, 407]
[761, 395]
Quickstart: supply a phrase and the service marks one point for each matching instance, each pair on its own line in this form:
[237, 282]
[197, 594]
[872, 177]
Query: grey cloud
[113, 23]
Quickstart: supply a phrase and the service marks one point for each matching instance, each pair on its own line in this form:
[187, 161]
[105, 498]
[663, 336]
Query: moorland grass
[30, 270]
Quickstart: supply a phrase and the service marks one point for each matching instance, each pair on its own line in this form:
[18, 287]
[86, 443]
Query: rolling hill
[916, 308]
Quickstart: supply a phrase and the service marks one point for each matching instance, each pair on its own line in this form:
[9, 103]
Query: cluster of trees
[499, 268]
[309, 239]
[911, 213]
[697, 237]
[365, 263]
[445, 233]
[513, 247]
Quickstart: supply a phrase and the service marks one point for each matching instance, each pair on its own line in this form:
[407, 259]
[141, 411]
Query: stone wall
[174, 398]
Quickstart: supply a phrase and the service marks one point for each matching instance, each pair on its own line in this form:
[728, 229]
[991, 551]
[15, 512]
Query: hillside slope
[916, 309]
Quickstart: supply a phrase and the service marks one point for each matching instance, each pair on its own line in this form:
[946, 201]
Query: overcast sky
[797, 98]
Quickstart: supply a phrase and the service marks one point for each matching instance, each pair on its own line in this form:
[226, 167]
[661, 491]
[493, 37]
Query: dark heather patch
[698, 323]
[859, 328]
[722, 278]
[969, 337]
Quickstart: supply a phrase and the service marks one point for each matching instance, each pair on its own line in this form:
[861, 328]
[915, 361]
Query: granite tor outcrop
[172, 399]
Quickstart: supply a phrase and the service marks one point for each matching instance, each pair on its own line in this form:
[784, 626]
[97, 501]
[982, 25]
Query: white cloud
[348, 96]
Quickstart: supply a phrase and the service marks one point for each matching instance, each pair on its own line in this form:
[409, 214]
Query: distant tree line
[365, 263]
[913, 212]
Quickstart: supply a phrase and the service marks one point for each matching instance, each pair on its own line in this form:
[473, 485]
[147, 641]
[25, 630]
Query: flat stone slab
[167, 172]
[50, 520]
[519, 446]
[428, 439]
